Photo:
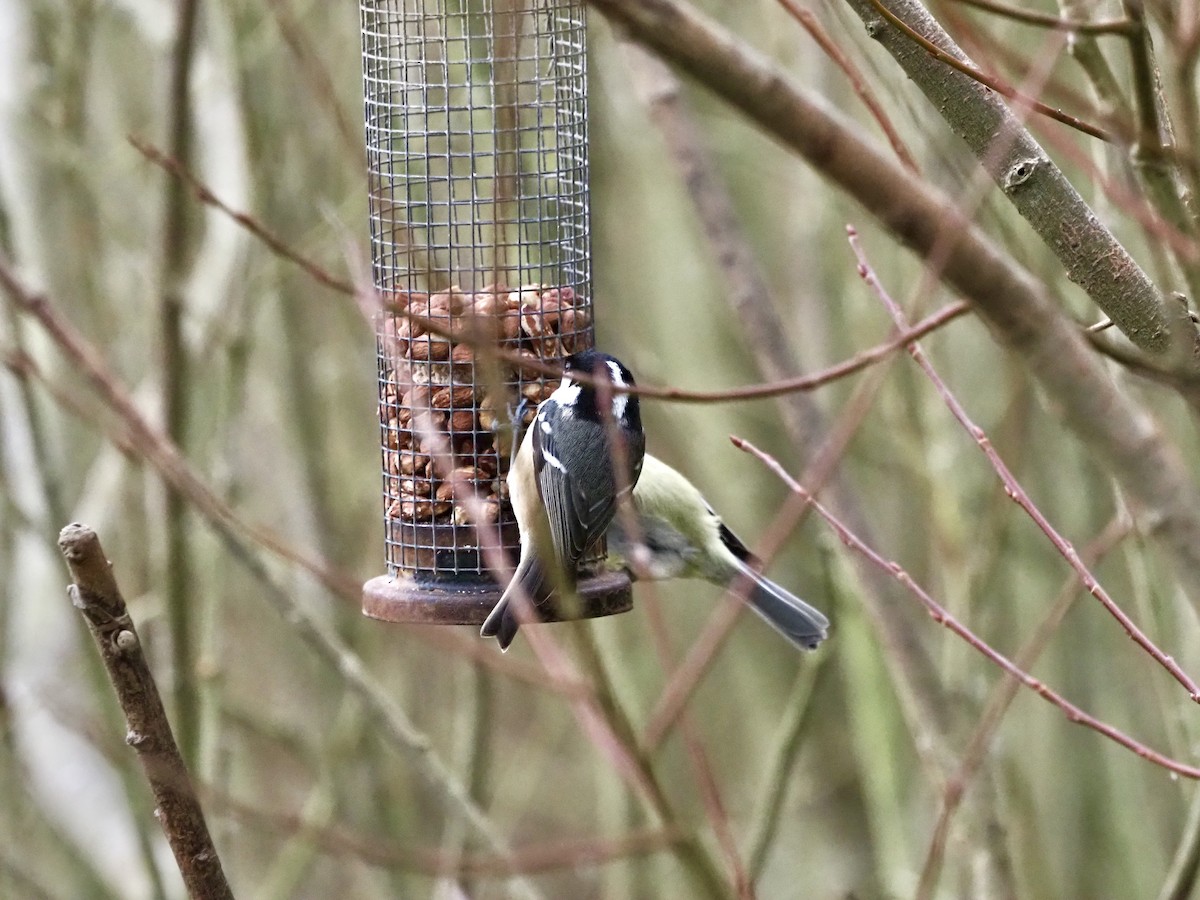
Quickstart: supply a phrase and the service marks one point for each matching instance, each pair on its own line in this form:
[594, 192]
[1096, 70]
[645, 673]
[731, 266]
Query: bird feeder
[476, 135]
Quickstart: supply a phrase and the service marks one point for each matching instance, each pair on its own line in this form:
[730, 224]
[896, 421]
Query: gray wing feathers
[579, 503]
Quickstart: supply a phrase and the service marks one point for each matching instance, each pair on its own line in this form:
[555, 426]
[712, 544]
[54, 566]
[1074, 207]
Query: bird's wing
[733, 543]
[578, 493]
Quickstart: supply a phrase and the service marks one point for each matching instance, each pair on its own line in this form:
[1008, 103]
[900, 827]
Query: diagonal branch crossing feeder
[476, 132]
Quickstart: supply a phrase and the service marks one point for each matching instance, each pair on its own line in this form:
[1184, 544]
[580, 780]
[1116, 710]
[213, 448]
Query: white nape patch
[553, 460]
[620, 401]
[616, 374]
[545, 427]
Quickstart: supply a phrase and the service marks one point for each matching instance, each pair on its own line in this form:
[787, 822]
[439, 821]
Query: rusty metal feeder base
[405, 599]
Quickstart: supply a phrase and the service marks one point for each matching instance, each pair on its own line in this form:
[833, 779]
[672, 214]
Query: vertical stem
[175, 239]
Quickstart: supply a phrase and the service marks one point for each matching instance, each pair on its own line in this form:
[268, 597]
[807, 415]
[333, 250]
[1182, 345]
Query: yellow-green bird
[685, 538]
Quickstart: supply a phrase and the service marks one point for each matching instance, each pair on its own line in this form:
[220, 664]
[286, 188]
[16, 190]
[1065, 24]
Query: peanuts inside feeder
[476, 124]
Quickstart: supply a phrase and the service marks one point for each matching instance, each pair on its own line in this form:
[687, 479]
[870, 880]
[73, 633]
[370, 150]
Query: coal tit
[563, 483]
[685, 538]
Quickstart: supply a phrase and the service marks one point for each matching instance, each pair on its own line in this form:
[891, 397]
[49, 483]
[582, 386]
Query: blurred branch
[942, 617]
[706, 784]
[1045, 20]
[96, 595]
[1014, 489]
[316, 73]
[1116, 430]
[769, 808]
[1087, 52]
[566, 853]
[1181, 879]
[1150, 156]
[180, 584]
[605, 721]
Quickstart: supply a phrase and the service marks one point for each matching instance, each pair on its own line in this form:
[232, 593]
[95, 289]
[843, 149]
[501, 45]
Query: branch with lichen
[1091, 255]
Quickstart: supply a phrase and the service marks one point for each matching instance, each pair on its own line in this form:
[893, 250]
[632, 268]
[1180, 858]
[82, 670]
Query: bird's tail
[528, 583]
[800, 623]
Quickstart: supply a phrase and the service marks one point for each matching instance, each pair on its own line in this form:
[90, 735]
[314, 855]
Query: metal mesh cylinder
[476, 131]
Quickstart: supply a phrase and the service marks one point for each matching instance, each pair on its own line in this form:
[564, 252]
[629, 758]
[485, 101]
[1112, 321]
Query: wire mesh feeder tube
[476, 130]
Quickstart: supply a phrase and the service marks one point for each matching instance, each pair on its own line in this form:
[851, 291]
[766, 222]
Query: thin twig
[940, 615]
[96, 595]
[1000, 700]
[1013, 488]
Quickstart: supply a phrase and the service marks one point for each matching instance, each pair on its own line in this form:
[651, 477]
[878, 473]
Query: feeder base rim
[401, 598]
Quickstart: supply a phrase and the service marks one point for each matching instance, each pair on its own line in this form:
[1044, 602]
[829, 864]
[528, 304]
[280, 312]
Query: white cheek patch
[566, 396]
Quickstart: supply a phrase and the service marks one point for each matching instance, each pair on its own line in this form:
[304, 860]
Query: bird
[684, 537]
[563, 483]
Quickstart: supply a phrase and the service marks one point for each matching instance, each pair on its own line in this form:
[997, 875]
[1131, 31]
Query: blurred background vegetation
[822, 762]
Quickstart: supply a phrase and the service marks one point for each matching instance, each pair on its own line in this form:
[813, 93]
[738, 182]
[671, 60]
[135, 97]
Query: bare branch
[1013, 488]
[96, 595]
[943, 618]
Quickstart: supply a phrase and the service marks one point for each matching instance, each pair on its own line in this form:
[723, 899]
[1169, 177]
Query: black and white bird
[564, 484]
[684, 538]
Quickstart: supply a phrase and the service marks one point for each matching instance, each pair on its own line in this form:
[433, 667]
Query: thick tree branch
[1041, 193]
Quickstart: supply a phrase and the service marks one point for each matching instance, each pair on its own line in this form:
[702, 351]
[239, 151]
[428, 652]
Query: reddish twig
[1013, 488]
[998, 703]
[940, 615]
[778, 388]
[687, 675]
[858, 84]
